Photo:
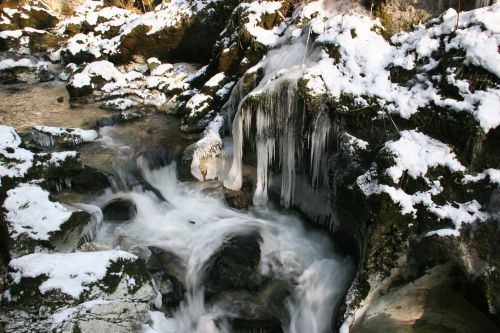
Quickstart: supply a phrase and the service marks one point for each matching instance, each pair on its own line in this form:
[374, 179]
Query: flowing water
[191, 222]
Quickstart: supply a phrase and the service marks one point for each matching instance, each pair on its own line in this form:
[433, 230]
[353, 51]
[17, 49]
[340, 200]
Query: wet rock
[236, 199]
[77, 292]
[235, 265]
[273, 325]
[90, 180]
[171, 289]
[262, 311]
[119, 210]
[162, 259]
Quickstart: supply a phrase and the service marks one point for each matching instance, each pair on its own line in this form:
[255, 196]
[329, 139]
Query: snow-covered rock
[24, 70]
[85, 291]
[37, 224]
[47, 136]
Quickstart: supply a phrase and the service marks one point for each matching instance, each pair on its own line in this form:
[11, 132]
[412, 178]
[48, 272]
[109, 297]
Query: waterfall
[196, 226]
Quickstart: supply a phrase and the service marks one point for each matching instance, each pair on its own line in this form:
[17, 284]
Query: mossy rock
[124, 295]
[35, 17]
[71, 235]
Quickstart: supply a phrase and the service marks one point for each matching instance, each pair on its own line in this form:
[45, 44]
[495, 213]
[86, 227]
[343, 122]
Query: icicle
[319, 137]
[265, 155]
[233, 180]
[42, 139]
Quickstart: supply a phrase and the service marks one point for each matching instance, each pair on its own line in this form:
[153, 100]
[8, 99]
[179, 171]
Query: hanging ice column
[276, 126]
[272, 112]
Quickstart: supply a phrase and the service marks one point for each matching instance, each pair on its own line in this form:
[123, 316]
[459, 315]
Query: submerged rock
[77, 292]
[119, 210]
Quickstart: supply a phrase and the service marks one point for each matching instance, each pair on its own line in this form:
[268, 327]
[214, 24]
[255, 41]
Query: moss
[459, 129]
[390, 238]
[135, 269]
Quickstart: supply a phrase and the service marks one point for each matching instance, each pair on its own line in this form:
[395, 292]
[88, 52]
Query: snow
[198, 103]
[57, 157]
[10, 63]
[120, 104]
[162, 69]
[103, 69]
[215, 80]
[416, 152]
[76, 135]
[69, 273]
[457, 213]
[11, 34]
[19, 160]
[255, 10]
[29, 211]
[492, 174]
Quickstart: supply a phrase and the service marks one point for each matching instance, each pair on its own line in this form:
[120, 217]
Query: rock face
[83, 292]
[408, 185]
[403, 15]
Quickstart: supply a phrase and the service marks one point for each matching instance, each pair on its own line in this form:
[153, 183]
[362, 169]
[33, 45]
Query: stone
[235, 265]
[162, 259]
[54, 292]
[90, 180]
[119, 210]
[236, 199]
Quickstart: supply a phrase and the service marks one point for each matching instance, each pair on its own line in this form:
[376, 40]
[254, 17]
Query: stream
[219, 269]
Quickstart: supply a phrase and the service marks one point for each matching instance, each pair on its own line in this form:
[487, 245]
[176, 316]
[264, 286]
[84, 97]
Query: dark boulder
[163, 259]
[119, 210]
[236, 199]
[235, 265]
[90, 180]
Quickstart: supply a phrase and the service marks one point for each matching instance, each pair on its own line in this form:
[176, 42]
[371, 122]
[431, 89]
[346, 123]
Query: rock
[164, 260]
[262, 311]
[171, 289]
[235, 265]
[119, 210]
[95, 76]
[29, 41]
[48, 136]
[13, 17]
[24, 70]
[236, 199]
[90, 180]
[36, 224]
[431, 303]
[60, 99]
[77, 292]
